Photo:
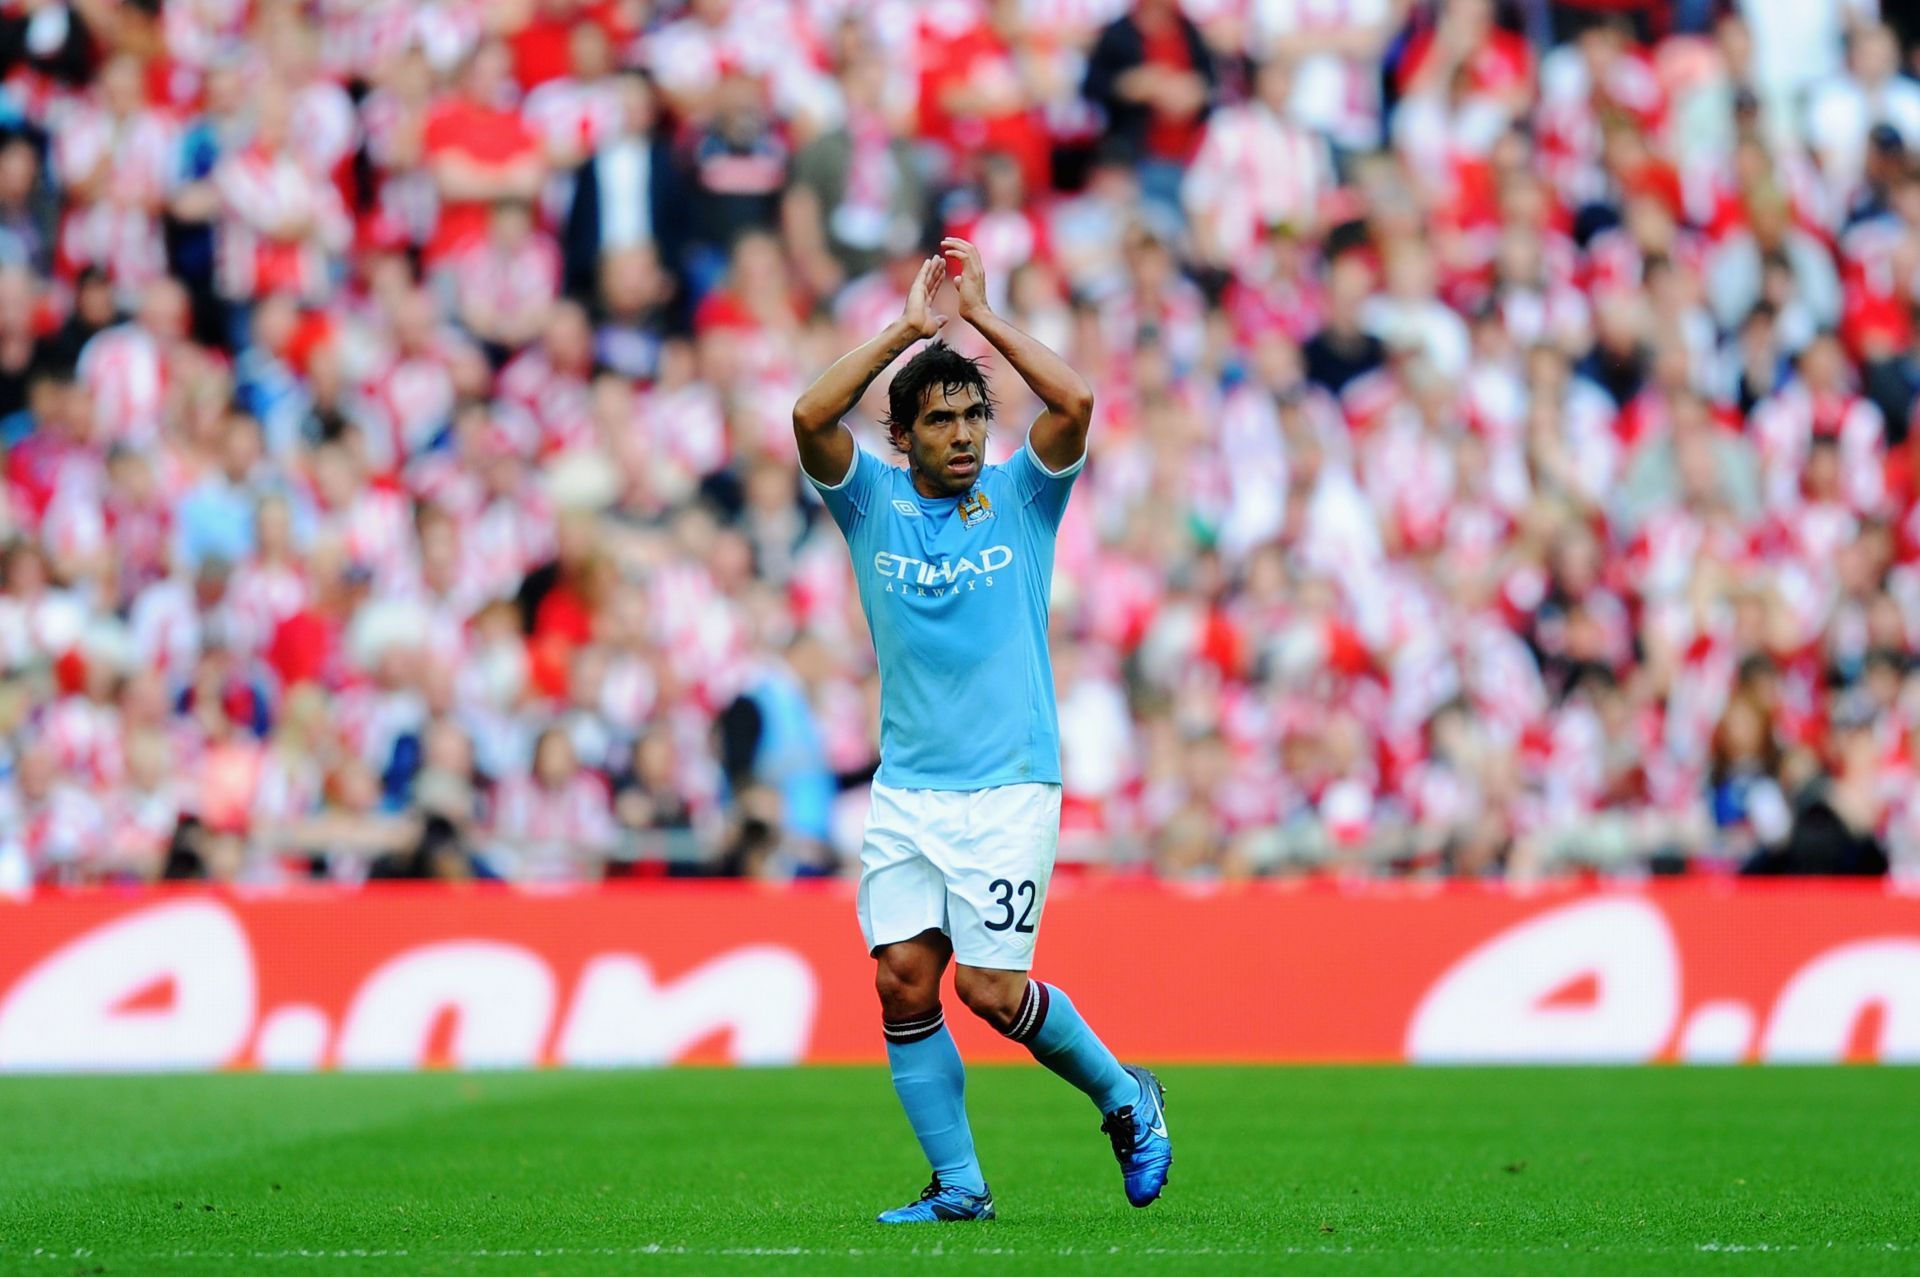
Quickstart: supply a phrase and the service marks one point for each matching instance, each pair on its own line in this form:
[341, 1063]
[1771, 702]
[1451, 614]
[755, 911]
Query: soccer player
[955, 562]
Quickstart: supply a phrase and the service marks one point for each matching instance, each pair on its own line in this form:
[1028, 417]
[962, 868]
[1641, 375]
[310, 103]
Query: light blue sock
[1052, 1029]
[932, 1086]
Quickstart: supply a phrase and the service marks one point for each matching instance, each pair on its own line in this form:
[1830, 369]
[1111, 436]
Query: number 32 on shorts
[1008, 895]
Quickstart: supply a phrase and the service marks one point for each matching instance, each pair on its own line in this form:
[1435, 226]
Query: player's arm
[826, 449]
[1059, 434]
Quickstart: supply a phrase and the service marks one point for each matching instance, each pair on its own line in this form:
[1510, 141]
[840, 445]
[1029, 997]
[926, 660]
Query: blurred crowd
[1505, 460]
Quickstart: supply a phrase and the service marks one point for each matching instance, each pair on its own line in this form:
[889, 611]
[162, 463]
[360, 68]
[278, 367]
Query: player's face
[949, 441]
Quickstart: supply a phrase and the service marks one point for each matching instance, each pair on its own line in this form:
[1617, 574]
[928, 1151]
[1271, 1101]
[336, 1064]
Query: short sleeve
[1045, 490]
[848, 499]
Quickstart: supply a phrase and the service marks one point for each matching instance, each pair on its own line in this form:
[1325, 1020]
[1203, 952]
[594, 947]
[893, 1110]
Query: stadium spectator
[1255, 171]
[628, 193]
[655, 818]
[1507, 462]
[739, 168]
[280, 222]
[127, 368]
[770, 737]
[635, 315]
[28, 209]
[554, 822]
[977, 91]
[478, 151]
[113, 149]
[1153, 76]
[505, 284]
[856, 197]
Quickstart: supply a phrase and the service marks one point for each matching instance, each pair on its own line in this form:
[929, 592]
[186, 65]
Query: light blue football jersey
[955, 590]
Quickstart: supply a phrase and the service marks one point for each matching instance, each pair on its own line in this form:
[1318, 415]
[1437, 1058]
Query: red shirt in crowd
[540, 50]
[975, 58]
[305, 648]
[482, 135]
[1169, 138]
[562, 624]
[1499, 66]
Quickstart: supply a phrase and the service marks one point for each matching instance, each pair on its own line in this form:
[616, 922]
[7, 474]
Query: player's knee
[905, 991]
[994, 996]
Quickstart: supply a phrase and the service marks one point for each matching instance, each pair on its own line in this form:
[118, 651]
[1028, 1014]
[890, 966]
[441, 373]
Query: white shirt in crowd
[1338, 96]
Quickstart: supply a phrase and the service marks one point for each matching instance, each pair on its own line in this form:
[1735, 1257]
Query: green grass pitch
[1296, 1170]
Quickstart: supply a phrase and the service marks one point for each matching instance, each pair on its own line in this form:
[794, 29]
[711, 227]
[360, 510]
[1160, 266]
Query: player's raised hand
[919, 314]
[972, 281]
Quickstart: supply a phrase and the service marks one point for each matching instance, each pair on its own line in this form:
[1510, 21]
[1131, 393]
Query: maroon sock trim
[917, 1029]
[1032, 1013]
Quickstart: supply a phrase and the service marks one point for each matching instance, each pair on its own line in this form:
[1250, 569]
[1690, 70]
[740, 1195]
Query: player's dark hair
[938, 366]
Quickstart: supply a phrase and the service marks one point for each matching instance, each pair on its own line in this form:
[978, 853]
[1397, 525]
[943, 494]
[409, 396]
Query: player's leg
[902, 908]
[994, 906]
[1131, 1101]
[996, 894]
[927, 1073]
[1044, 1020]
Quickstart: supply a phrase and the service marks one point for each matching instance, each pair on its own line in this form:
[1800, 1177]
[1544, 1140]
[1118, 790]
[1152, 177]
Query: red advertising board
[415, 976]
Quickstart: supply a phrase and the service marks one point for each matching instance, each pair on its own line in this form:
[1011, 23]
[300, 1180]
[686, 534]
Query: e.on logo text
[175, 986]
[660, 973]
[1504, 1001]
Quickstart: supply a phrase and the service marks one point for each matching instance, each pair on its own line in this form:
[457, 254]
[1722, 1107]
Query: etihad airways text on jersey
[947, 571]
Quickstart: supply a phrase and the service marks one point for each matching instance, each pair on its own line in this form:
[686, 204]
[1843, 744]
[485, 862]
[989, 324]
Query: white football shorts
[973, 863]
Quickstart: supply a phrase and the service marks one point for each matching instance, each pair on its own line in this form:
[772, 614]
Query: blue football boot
[939, 1205]
[1140, 1143]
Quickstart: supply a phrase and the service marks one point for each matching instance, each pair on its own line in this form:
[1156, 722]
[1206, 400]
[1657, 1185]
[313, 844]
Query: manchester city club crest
[975, 509]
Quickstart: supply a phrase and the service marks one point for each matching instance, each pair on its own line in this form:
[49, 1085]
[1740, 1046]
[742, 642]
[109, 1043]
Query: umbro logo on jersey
[907, 508]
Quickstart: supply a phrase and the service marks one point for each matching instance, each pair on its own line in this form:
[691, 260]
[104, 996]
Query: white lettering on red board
[762, 995]
[175, 985]
[1815, 1016]
[80, 1007]
[1495, 1005]
[500, 996]
[85, 1005]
